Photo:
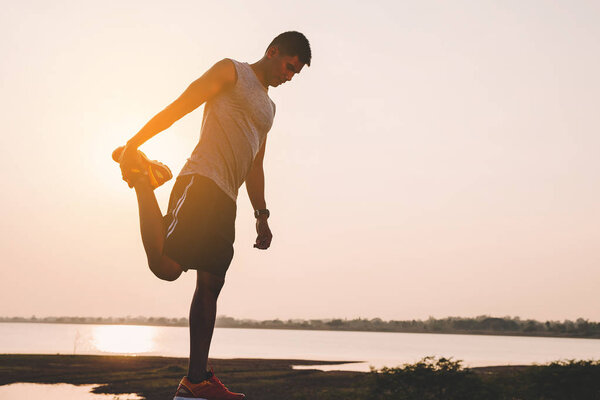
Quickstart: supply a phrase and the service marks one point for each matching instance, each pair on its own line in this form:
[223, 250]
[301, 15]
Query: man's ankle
[197, 378]
[142, 182]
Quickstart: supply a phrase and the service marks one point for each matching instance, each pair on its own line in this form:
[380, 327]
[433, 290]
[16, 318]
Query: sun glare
[124, 338]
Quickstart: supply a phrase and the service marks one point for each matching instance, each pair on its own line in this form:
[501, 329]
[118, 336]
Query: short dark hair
[293, 43]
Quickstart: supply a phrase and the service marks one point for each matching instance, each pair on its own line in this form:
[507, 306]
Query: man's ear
[272, 51]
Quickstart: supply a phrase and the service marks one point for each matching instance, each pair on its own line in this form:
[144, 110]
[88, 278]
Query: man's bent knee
[165, 268]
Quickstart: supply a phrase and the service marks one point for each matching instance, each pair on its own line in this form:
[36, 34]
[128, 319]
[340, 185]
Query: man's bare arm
[255, 181]
[255, 185]
[218, 78]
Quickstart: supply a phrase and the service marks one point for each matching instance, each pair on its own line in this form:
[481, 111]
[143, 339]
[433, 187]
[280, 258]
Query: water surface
[59, 391]
[372, 348]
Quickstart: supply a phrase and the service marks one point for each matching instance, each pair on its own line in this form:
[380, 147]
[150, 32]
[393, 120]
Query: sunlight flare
[129, 339]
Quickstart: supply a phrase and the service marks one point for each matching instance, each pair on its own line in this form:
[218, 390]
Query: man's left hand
[264, 235]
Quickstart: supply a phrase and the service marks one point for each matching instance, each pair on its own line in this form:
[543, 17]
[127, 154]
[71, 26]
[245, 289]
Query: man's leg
[153, 232]
[202, 322]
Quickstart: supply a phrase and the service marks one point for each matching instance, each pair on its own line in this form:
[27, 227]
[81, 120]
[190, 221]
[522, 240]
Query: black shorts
[200, 225]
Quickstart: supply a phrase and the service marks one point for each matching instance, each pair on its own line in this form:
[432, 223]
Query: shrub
[428, 379]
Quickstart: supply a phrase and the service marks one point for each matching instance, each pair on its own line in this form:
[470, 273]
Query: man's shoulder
[225, 70]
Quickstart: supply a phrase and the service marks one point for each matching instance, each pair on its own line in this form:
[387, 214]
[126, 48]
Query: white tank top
[234, 127]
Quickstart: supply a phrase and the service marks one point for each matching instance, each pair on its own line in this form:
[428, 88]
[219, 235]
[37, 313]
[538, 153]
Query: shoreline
[278, 362]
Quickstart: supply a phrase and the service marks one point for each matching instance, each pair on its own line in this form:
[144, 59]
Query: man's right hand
[130, 162]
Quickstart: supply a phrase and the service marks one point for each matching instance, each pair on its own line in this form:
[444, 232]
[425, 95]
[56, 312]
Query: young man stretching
[198, 230]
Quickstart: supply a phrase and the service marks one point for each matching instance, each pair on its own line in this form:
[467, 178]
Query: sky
[436, 159]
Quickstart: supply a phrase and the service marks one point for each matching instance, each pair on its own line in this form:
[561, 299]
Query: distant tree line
[161, 321]
[479, 325]
[483, 324]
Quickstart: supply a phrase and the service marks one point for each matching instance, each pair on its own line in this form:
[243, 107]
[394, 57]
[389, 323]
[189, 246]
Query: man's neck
[259, 70]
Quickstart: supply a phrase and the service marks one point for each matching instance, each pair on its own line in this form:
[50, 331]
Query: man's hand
[130, 163]
[264, 235]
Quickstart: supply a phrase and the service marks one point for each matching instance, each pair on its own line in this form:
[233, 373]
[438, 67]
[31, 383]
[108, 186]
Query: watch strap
[262, 211]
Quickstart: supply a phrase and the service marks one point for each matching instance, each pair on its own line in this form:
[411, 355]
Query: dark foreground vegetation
[482, 325]
[431, 378]
[446, 379]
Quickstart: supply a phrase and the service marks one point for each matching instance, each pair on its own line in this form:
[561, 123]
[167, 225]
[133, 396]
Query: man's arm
[255, 185]
[218, 78]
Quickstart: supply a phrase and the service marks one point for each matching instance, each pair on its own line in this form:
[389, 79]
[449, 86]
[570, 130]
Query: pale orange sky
[437, 158]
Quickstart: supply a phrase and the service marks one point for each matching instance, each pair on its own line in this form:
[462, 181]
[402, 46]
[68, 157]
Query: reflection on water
[61, 391]
[358, 366]
[128, 339]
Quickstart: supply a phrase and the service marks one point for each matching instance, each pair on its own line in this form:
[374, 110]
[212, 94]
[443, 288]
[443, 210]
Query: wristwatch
[264, 211]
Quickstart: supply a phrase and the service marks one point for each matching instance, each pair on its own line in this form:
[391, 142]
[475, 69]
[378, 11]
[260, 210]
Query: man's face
[283, 67]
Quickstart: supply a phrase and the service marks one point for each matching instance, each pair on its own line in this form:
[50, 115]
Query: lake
[371, 348]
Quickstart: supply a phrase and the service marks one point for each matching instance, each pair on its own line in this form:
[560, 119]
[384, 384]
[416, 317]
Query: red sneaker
[157, 172]
[209, 389]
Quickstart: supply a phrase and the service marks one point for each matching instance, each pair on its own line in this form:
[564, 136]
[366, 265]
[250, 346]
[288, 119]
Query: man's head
[286, 55]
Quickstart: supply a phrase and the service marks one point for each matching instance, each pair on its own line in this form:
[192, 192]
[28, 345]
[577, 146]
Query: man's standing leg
[203, 312]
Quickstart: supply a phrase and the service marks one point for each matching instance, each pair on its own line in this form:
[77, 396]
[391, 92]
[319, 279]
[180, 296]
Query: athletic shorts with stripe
[200, 225]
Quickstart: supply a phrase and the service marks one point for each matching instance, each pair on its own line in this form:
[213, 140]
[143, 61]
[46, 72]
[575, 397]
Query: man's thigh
[200, 225]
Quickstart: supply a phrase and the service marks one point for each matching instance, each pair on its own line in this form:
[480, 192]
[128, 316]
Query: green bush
[446, 379]
[561, 380]
[430, 378]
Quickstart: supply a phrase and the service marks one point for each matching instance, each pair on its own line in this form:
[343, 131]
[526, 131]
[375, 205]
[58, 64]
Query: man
[198, 230]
